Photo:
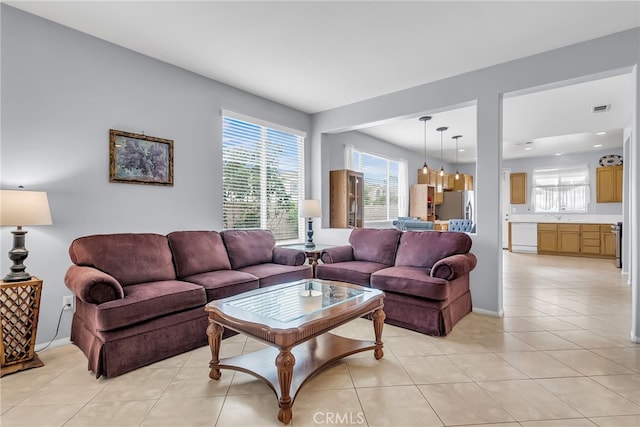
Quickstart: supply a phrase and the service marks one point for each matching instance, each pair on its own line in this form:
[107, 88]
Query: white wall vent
[601, 108]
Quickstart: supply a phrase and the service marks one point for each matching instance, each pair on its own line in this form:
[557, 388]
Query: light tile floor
[561, 356]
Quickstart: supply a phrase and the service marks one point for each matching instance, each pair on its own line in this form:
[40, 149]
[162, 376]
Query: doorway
[505, 203]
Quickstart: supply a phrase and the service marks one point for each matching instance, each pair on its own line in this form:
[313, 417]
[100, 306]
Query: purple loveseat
[140, 297]
[425, 275]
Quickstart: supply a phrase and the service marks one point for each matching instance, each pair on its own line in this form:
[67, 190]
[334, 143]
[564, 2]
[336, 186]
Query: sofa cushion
[147, 301]
[274, 274]
[197, 252]
[248, 247]
[129, 257]
[358, 272]
[224, 283]
[375, 245]
[410, 281]
[424, 249]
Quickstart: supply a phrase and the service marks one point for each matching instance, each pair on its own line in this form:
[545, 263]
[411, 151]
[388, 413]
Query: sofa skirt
[112, 353]
[426, 316]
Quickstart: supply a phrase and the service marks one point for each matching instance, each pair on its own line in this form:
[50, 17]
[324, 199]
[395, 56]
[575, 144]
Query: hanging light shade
[425, 168]
[441, 130]
[456, 138]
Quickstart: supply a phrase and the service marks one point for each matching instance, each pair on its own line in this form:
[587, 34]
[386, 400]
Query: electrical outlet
[68, 302]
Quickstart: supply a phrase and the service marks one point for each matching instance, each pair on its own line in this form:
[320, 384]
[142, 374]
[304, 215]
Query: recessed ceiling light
[461, 150]
[559, 154]
[528, 148]
[601, 133]
[598, 145]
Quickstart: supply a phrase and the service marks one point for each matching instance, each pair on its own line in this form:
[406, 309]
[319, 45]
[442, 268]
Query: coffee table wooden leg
[285, 362]
[214, 332]
[378, 323]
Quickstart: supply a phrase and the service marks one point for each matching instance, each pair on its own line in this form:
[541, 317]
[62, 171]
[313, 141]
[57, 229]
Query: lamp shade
[310, 209]
[19, 207]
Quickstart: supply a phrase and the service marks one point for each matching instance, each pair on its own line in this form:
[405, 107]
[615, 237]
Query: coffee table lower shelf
[310, 358]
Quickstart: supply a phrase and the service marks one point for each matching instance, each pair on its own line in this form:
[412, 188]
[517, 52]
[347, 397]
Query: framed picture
[140, 159]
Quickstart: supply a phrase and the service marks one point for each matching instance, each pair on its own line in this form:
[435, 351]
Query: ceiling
[318, 55]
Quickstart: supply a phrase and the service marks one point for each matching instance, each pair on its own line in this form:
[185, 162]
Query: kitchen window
[262, 176]
[385, 185]
[561, 190]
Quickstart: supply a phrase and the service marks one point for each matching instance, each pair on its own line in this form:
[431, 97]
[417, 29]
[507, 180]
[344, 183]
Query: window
[384, 182]
[561, 190]
[262, 176]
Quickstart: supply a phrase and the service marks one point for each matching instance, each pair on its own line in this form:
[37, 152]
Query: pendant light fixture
[456, 138]
[441, 130]
[425, 168]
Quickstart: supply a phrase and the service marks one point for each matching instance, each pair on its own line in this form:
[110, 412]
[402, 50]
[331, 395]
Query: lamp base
[18, 254]
[17, 277]
[309, 244]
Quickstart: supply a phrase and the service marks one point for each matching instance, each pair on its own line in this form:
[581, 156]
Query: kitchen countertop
[566, 218]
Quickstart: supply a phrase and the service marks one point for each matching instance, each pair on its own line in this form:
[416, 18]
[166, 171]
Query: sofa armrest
[288, 256]
[92, 285]
[337, 254]
[454, 266]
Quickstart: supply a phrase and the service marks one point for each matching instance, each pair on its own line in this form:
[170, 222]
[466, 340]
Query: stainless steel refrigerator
[457, 205]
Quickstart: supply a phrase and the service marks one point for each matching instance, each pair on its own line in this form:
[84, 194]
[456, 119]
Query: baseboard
[634, 338]
[54, 344]
[488, 312]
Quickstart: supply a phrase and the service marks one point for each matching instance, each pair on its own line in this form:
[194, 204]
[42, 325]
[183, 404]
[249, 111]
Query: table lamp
[310, 209]
[20, 208]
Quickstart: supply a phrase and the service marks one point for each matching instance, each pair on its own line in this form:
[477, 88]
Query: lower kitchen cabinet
[607, 241]
[547, 238]
[569, 238]
[591, 240]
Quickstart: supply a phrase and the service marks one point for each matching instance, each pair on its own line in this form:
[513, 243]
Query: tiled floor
[561, 356]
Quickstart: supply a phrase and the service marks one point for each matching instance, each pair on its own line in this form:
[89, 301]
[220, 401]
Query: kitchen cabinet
[430, 178]
[346, 199]
[434, 179]
[607, 241]
[569, 238]
[439, 190]
[421, 198]
[448, 181]
[609, 184]
[518, 186]
[465, 183]
[590, 240]
[547, 238]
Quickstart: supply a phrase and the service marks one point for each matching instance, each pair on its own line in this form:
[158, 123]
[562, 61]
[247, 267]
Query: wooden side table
[313, 254]
[19, 310]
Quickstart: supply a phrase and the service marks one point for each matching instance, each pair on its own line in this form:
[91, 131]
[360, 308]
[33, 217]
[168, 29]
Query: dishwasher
[524, 237]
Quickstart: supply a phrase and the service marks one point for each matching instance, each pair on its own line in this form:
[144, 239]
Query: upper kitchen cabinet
[518, 187]
[465, 183]
[430, 178]
[609, 184]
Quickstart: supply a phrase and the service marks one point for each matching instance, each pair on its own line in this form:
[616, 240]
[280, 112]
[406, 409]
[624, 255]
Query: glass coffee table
[295, 320]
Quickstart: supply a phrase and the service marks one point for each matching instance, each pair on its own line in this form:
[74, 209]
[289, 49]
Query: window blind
[262, 177]
[382, 185]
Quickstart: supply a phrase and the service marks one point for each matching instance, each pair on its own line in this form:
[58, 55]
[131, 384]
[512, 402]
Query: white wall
[607, 56]
[61, 93]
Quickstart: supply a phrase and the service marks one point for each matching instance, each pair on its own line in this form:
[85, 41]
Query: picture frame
[140, 159]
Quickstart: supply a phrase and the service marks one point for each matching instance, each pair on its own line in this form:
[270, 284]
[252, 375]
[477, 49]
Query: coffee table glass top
[292, 302]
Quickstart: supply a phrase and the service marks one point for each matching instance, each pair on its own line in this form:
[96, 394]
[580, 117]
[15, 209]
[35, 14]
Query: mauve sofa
[140, 297]
[425, 275]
